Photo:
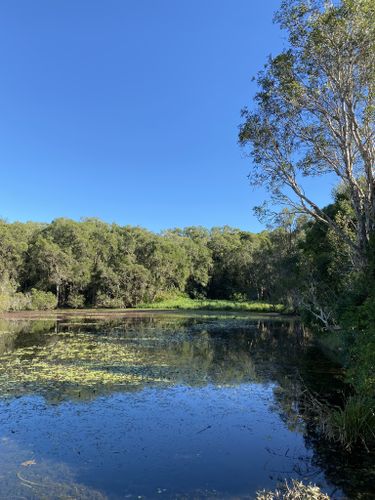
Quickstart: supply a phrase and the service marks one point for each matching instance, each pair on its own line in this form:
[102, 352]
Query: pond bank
[123, 313]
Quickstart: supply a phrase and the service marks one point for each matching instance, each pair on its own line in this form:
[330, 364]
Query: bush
[15, 301]
[20, 302]
[4, 302]
[42, 301]
[103, 300]
[10, 299]
[7, 290]
[239, 297]
[361, 370]
[76, 300]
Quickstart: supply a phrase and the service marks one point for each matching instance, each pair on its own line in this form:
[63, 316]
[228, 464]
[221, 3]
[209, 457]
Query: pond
[165, 406]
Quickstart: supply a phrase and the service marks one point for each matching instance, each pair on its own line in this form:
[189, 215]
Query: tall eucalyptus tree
[315, 112]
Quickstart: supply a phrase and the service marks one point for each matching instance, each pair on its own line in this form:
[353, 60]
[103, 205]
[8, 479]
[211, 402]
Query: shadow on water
[166, 406]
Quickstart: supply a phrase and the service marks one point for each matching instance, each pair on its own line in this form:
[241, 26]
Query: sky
[128, 110]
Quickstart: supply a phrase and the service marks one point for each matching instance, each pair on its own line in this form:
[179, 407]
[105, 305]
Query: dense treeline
[91, 263]
[300, 263]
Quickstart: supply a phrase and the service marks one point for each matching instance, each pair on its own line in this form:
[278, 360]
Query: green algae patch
[75, 359]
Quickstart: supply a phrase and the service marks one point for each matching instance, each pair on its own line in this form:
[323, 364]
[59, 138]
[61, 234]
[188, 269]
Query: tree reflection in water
[83, 359]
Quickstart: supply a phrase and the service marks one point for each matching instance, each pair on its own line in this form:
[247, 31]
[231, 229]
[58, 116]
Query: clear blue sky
[128, 110]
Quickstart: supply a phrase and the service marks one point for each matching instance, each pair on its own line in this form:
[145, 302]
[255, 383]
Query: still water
[165, 406]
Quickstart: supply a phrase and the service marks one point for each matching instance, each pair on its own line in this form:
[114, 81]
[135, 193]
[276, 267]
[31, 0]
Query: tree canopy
[314, 113]
[91, 263]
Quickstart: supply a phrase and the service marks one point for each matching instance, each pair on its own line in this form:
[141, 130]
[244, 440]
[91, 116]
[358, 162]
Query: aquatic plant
[352, 424]
[75, 359]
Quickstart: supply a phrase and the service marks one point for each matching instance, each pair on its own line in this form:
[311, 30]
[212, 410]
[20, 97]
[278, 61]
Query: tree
[49, 267]
[135, 284]
[232, 254]
[14, 241]
[194, 241]
[166, 261]
[315, 112]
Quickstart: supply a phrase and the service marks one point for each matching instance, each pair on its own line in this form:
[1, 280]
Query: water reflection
[83, 359]
[166, 406]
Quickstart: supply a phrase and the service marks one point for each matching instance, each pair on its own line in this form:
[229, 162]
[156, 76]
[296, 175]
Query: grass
[168, 304]
[353, 424]
[350, 425]
[185, 303]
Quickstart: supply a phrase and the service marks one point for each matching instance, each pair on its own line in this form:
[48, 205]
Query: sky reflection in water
[155, 407]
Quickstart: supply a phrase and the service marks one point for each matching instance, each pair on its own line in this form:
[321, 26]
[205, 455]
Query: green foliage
[297, 129]
[91, 263]
[106, 302]
[11, 300]
[349, 294]
[359, 319]
[7, 291]
[186, 303]
[361, 371]
[353, 423]
[42, 301]
[76, 300]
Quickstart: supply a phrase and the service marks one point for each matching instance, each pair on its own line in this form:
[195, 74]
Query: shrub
[10, 299]
[104, 300]
[7, 290]
[4, 302]
[20, 302]
[76, 300]
[42, 301]
[239, 297]
[15, 301]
